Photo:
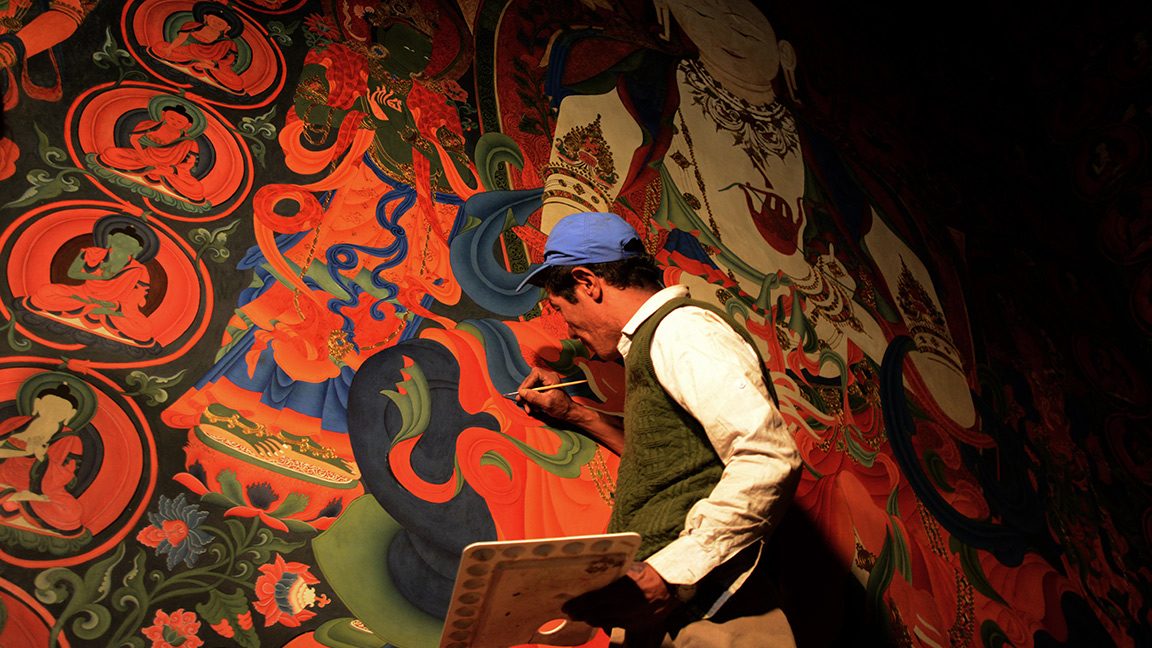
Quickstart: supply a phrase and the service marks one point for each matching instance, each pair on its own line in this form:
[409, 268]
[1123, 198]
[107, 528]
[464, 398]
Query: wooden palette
[509, 593]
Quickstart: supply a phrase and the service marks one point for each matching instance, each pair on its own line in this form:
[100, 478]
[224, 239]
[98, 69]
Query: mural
[258, 306]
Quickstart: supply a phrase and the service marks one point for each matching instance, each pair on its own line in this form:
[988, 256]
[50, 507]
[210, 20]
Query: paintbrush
[515, 394]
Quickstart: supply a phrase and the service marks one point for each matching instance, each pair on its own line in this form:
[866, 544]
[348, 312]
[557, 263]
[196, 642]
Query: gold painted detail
[299, 454]
[827, 294]
[865, 560]
[338, 344]
[962, 631]
[690, 161]
[404, 11]
[760, 130]
[926, 321]
[585, 164]
[286, 461]
[602, 478]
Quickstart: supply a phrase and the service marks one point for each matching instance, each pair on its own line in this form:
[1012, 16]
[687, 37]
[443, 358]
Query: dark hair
[633, 272]
[129, 231]
[179, 110]
[60, 391]
[202, 10]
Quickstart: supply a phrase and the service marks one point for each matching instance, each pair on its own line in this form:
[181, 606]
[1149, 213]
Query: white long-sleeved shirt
[712, 372]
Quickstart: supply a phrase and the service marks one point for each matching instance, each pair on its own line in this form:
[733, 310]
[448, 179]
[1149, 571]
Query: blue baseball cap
[587, 237]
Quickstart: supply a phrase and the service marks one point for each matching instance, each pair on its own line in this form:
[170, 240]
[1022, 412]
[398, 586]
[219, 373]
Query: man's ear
[588, 282]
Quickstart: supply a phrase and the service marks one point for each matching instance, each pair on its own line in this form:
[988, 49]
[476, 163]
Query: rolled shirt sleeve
[711, 371]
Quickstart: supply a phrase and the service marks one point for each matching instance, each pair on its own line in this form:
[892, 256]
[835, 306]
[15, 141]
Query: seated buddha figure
[205, 47]
[113, 284]
[163, 153]
[39, 457]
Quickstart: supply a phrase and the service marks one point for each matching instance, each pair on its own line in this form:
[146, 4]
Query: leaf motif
[258, 151]
[230, 486]
[89, 619]
[48, 153]
[152, 386]
[294, 503]
[134, 582]
[133, 592]
[109, 54]
[261, 125]
[268, 543]
[98, 578]
[216, 499]
[220, 606]
[52, 585]
[92, 622]
[41, 137]
[25, 198]
[237, 531]
[45, 191]
[211, 242]
[199, 236]
[135, 575]
[281, 32]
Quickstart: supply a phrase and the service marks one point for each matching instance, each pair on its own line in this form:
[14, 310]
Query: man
[707, 465]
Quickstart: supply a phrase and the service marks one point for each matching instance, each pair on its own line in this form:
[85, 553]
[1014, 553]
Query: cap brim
[528, 277]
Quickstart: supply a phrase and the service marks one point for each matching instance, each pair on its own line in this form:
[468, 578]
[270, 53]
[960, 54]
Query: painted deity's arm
[181, 38]
[595, 140]
[80, 268]
[47, 30]
[312, 97]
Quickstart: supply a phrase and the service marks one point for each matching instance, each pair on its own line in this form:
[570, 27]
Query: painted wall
[258, 306]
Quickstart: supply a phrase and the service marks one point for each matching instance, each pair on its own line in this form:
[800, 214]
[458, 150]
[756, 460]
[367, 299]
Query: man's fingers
[613, 605]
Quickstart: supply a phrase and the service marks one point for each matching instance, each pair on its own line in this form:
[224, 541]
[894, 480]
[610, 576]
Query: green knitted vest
[668, 463]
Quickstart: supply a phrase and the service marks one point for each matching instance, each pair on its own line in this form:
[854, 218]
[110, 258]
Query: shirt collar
[646, 310]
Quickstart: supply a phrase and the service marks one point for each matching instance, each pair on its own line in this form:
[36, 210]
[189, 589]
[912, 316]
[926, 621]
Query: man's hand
[552, 403]
[638, 599]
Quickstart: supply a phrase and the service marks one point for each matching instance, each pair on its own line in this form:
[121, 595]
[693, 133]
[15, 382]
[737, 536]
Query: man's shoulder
[696, 319]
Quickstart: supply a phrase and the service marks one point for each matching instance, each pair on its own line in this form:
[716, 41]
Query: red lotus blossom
[284, 593]
[275, 500]
[177, 629]
[244, 509]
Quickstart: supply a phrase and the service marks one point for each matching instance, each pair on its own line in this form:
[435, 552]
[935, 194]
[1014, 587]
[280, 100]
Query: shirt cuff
[684, 561]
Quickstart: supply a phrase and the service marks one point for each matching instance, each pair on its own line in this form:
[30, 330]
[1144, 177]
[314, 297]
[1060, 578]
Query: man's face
[587, 323]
